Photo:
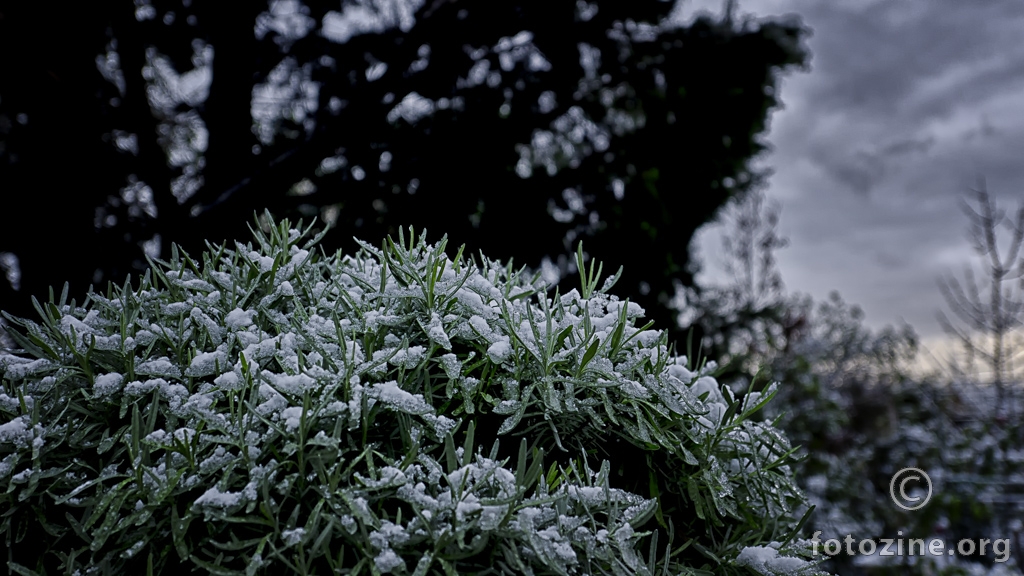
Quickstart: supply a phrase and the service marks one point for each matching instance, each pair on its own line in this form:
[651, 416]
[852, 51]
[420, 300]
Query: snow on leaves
[282, 380]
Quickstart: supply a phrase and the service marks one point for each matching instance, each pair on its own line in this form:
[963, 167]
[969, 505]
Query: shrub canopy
[275, 407]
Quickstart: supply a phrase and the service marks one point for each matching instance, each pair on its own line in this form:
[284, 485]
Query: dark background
[517, 128]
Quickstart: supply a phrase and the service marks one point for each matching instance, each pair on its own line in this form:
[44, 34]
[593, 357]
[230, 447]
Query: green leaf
[467, 448]
[23, 570]
[179, 526]
[449, 453]
[588, 356]
[695, 497]
[521, 464]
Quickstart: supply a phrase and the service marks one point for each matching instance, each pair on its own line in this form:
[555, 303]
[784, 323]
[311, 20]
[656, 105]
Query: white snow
[451, 365]
[227, 381]
[562, 549]
[475, 303]
[15, 432]
[500, 350]
[68, 322]
[389, 534]
[215, 331]
[442, 424]
[492, 516]
[159, 367]
[298, 256]
[766, 560]
[634, 310]
[9, 403]
[387, 561]
[138, 388]
[206, 363]
[480, 325]
[265, 263]
[293, 536]
[16, 368]
[468, 506]
[647, 338]
[274, 402]
[107, 384]
[218, 461]
[292, 417]
[392, 395]
[709, 385]
[239, 319]
[214, 498]
[408, 358]
[292, 384]
[436, 333]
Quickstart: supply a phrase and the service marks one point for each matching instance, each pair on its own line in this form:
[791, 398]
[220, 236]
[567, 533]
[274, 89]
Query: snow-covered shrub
[847, 398]
[273, 409]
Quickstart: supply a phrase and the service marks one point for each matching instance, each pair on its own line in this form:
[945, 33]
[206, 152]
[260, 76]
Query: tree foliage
[745, 322]
[517, 126]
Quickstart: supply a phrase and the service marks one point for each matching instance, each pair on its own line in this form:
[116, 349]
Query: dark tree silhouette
[517, 128]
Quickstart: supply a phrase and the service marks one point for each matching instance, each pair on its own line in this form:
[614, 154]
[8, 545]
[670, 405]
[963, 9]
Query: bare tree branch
[989, 312]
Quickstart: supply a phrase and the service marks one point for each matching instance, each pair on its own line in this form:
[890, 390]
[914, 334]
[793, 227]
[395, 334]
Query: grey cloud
[984, 130]
[865, 169]
[908, 146]
[873, 59]
[905, 104]
[861, 172]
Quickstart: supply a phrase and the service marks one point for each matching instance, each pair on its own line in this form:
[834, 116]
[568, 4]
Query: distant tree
[989, 314]
[849, 400]
[746, 322]
[515, 127]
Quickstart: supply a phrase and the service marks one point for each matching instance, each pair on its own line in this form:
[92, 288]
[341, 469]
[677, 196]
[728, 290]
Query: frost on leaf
[391, 395]
[206, 363]
[159, 367]
[239, 319]
[435, 331]
[500, 350]
[767, 560]
[214, 498]
[107, 384]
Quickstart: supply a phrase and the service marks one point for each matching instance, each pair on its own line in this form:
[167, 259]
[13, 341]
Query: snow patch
[766, 560]
[107, 384]
[239, 319]
[500, 350]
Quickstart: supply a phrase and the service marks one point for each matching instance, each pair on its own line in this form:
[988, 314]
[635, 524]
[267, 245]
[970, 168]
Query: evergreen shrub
[274, 408]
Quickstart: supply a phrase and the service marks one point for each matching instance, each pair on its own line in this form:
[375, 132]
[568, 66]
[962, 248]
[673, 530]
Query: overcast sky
[906, 103]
